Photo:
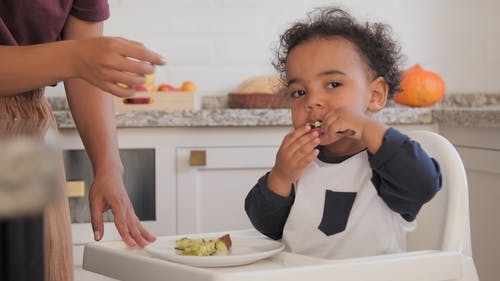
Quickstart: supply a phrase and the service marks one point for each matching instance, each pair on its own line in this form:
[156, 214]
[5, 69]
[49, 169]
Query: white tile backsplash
[443, 5]
[219, 43]
[494, 51]
[446, 50]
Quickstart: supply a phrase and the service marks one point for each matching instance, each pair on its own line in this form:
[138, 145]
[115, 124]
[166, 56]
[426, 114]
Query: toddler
[343, 184]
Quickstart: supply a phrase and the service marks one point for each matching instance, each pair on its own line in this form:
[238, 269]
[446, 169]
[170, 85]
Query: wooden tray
[172, 100]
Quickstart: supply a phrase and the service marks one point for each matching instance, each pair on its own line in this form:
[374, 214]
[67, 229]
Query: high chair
[443, 223]
[439, 248]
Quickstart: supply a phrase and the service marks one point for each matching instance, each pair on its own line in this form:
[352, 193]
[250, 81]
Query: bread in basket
[265, 91]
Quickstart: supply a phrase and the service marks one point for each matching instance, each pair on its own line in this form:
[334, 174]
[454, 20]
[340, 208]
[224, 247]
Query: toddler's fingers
[295, 134]
[329, 119]
[305, 143]
[307, 158]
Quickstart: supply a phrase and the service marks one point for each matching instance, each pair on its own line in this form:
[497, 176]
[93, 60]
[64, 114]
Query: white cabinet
[479, 149]
[225, 164]
[211, 188]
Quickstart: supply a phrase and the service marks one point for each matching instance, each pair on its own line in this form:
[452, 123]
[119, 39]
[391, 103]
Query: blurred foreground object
[30, 180]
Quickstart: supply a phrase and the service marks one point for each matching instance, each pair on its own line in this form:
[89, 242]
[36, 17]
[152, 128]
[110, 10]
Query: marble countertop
[470, 110]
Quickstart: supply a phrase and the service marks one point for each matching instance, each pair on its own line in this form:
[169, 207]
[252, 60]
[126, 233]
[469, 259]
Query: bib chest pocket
[336, 211]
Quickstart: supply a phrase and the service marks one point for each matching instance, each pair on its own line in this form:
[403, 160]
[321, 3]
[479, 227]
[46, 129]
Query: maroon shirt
[28, 22]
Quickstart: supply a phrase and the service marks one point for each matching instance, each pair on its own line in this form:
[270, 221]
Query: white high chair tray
[116, 260]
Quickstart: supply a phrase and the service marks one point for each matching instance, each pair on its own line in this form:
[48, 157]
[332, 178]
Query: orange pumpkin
[420, 88]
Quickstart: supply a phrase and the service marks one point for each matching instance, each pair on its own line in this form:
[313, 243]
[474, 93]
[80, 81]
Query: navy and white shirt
[358, 205]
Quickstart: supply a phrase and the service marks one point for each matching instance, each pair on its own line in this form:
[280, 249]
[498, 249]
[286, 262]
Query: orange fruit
[166, 88]
[420, 88]
[188, 86]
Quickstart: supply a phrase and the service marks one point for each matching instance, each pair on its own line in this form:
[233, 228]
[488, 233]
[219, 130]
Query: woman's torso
[28, 22]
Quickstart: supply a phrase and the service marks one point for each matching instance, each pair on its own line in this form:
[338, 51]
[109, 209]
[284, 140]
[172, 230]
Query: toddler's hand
[115, 65]
[369, 131]
[344, 122]
[296, 152]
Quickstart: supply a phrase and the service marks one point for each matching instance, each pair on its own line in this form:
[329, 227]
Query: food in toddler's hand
[203, 247]
[316, 124]
[345, 133]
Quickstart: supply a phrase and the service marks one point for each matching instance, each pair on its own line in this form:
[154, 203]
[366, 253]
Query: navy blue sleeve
[404, 175]
[267, 210]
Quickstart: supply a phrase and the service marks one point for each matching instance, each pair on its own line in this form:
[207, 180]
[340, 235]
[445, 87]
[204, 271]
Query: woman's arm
[93, 112]
[30, 67]
[102, 61]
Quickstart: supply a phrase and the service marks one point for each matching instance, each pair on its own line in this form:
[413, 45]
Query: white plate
[244, 250]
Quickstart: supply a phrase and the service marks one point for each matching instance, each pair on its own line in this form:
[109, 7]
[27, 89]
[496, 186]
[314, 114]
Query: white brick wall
[219, 43]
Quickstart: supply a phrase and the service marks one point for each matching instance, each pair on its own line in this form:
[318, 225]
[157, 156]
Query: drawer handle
[75, 188]
[197, 158]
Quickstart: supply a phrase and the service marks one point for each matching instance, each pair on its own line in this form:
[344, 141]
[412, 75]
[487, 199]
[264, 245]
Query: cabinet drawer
[483, 160]
[488, 138]
[232, 157]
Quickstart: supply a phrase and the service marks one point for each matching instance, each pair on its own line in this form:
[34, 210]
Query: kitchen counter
[469, 110]
[475, 117]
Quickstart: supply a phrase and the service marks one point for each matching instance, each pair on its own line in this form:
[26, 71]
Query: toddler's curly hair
[373, 41]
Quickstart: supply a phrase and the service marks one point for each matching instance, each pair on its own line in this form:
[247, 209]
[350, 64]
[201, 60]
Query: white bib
[337, 213]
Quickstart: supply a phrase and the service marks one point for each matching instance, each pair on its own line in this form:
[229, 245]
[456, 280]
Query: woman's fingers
[114, 60]
[138, 51]
[128, 65]
[122, 227]
[117, 90]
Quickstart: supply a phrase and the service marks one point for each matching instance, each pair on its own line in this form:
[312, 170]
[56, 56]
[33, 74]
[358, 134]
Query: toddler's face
[323, 75]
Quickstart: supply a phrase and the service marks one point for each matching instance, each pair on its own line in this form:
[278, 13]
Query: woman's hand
[108, 192]
[295, 153]
[115, 65]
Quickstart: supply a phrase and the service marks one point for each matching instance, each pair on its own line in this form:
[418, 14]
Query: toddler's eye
[298, 93]
[333, 85]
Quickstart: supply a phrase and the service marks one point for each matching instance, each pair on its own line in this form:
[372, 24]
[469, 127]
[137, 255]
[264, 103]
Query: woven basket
[257, 100]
